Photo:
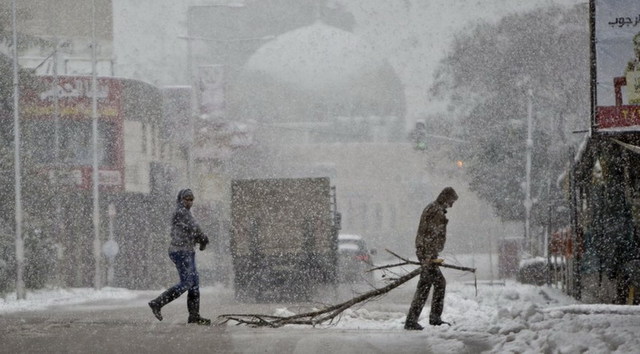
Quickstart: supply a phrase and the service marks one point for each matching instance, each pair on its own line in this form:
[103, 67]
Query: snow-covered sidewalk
[42, 299]
[514, 318]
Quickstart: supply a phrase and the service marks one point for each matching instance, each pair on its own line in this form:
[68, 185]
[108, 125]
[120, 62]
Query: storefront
[605, 193]
[603, 181]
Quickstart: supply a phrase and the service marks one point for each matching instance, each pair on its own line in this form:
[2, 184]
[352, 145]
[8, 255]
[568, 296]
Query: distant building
[248, 89]
[60, 33]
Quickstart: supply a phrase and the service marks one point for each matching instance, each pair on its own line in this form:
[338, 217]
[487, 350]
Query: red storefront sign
[74, 96]
[608, 117]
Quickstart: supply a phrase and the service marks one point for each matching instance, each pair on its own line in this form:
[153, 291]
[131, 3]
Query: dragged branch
[315, 317]
[327, 314]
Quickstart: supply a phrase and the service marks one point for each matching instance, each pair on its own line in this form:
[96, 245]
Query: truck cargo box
[283, 237]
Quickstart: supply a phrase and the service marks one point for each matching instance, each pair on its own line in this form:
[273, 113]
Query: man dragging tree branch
[430, 239]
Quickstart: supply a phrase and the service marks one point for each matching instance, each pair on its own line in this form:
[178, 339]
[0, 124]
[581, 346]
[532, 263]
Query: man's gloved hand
[437, 260]
[203, 243]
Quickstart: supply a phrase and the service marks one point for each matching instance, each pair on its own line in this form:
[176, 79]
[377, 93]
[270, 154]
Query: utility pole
[20, 289]
[194, 106]
[96, 204]
[58, 164]
[527, 200]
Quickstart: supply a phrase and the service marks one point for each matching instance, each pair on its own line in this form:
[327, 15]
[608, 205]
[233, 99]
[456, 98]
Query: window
[76, 142]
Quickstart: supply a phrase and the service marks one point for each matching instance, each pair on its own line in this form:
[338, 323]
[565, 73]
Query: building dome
[316, 57]
[316, 74]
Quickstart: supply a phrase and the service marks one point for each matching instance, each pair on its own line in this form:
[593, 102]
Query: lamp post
[56, 158]
[527, 199]
[58, 164]
[97, 282]
[20, 288]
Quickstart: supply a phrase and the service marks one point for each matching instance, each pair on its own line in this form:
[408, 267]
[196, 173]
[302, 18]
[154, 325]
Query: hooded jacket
[185, 231]
[432, 230]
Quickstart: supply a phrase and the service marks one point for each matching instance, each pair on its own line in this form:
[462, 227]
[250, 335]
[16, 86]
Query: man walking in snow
[430, 240]
[185, 233]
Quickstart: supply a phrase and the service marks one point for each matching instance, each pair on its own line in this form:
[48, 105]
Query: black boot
[413, 326]
[193, 305]
[199, 320]
[438, 322]
[164, 298]
[155, 308]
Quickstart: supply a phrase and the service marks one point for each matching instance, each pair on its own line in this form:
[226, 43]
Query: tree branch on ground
[328, 314]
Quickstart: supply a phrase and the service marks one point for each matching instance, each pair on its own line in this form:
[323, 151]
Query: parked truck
[283, 237]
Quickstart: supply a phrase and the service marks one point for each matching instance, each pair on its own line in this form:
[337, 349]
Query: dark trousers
[431, 275]
[185, 262]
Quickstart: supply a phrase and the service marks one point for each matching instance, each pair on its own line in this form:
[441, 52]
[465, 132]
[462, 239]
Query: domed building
[319, 84]
[319, 101]
[324, 103]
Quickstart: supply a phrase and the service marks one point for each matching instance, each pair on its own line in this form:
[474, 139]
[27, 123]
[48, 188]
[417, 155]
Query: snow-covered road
[507, 317]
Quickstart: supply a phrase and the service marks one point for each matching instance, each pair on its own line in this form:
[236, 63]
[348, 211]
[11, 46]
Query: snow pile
[526, 318]
[514, 318]
[42, 299]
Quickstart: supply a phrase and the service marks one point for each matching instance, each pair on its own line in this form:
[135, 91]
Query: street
[117, 326]
[502, 317]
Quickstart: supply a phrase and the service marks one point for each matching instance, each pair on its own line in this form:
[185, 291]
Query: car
[354, 259]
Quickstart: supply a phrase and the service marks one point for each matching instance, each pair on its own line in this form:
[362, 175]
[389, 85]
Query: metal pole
[491, 233]
[20, 289]
[110, 272]
[527, 200]
[594, 69]
[194, 105]
[58, 165]
[96, 204]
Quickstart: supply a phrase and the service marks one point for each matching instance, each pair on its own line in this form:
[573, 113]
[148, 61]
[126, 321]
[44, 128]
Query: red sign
[618, 117]
[75, 96]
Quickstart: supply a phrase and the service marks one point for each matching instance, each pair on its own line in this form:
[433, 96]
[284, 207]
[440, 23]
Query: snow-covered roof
[316, 56]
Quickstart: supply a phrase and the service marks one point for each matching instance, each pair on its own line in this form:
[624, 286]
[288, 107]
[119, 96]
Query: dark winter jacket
[185, 232]
[432, 231]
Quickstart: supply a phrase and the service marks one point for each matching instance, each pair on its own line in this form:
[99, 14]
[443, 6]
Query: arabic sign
[617, 53]
[618, 117]
[75, 97]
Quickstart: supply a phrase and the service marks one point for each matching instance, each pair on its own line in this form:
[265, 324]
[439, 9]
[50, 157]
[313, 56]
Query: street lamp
[97, 282]
[20, 288]
[527, 199]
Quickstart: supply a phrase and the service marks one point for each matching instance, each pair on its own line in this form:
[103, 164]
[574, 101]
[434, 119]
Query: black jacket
[432, 232]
